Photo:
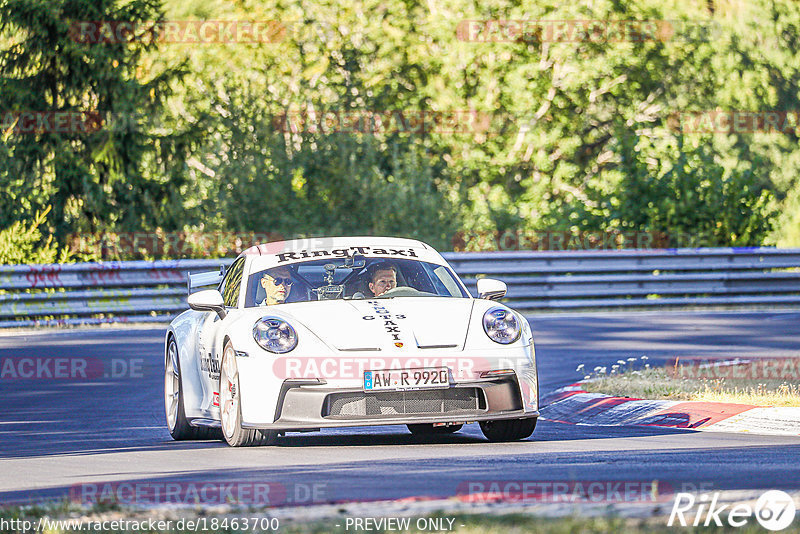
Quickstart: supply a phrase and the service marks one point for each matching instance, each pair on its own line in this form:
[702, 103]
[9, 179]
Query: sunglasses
[278, 281]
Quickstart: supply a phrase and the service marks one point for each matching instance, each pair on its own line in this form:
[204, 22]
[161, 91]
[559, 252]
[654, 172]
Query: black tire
[423, 429]
[509, 429]
[231, 409]
[178, 425]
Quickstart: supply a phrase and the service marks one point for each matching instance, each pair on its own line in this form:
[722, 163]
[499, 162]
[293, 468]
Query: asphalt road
[61, 435]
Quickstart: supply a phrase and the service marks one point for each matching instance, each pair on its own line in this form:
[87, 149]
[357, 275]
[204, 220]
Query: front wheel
[231, 407]
[509, 429]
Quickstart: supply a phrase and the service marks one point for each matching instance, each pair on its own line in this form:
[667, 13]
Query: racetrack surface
[56, 434]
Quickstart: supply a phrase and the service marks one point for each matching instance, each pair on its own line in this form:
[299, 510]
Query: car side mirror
[491, 289]
[208, 300]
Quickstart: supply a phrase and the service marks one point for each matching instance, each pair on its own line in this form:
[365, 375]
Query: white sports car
[348, 331]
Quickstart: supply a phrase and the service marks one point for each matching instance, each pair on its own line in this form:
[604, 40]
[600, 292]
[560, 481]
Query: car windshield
[351, 278]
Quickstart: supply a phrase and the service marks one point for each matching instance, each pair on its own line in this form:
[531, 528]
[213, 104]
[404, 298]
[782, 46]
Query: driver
[277, 284]
[383, 278]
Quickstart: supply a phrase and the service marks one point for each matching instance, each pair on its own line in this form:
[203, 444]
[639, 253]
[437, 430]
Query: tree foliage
[113, 170]
[581, 135]
[27, 243]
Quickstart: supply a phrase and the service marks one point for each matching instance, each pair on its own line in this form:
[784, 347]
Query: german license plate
[430, 377]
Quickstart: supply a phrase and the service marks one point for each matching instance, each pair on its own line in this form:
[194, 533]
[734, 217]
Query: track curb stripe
[573, 405]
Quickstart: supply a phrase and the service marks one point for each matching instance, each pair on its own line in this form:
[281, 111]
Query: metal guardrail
[93, 293]
[729, 277]
[137, 291]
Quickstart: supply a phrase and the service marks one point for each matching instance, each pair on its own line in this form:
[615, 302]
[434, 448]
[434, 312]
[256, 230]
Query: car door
[209, 350]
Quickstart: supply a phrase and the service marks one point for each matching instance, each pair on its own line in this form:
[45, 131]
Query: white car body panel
[339, 339]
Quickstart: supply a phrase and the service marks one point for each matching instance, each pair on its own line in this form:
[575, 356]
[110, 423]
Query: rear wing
[212, 278]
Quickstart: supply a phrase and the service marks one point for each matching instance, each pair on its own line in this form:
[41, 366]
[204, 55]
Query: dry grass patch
[664, 383]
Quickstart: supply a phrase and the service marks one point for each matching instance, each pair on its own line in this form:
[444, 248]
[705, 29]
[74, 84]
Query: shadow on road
[697, 469]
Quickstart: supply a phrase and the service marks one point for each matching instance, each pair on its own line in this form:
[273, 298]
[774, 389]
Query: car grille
[428, 402]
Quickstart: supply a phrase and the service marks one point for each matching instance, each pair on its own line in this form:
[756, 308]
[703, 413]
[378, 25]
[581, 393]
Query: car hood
[378, 324]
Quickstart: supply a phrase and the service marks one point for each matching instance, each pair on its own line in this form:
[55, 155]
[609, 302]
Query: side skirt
[203, 422]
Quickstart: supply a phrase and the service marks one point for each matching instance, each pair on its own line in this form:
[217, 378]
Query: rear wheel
[179, 427]
[428, 429]
[231, 407]
[509, 429]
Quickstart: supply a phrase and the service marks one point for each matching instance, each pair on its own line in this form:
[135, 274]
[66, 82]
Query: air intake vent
[388, 403]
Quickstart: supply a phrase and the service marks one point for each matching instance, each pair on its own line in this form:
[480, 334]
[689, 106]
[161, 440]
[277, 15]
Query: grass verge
[693, 383]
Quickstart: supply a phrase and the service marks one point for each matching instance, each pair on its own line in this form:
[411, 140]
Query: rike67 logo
[774, 510]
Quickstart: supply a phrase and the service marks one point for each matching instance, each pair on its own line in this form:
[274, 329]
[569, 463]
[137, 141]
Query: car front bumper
[304, 405]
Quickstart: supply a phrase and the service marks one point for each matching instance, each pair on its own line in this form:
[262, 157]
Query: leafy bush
[789, 222]
[321, 184]
[687, 196]
[23, 243]
[579, 139]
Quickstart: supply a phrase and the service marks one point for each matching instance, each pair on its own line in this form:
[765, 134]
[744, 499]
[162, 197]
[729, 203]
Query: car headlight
[275, 335]
[501, 325]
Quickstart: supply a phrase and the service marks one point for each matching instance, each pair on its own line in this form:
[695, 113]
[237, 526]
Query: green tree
[581, 139]
[260, 177]
[561, 163]
[691, 201]
[115, 176]
[26, 242]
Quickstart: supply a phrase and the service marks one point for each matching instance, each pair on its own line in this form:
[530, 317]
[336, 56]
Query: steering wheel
[405, 291]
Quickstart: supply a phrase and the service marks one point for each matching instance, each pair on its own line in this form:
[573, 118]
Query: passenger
[277, 284]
